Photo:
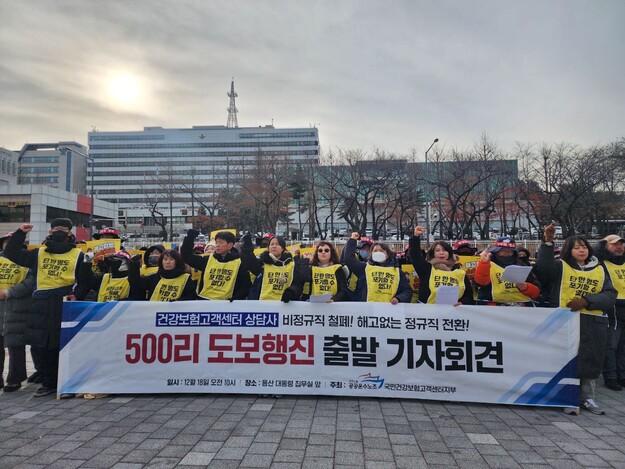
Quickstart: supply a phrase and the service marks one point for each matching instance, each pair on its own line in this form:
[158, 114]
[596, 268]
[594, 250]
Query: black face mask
[152, 261]
[59, 236]
[505, 261]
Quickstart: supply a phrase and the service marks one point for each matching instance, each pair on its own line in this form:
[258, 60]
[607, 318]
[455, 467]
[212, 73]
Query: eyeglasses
[323, 250]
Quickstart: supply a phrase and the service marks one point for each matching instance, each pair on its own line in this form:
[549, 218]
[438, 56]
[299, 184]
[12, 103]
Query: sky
[391, 75]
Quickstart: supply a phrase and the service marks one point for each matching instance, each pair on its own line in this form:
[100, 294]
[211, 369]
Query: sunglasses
[323, 250]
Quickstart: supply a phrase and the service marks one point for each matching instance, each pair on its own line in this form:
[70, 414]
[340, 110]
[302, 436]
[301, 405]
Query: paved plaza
[226, 431]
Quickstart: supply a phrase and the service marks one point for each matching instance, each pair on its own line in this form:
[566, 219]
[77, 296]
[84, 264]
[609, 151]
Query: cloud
[393, 75]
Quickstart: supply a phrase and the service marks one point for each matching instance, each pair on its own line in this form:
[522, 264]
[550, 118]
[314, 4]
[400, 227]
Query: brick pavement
[249, 431]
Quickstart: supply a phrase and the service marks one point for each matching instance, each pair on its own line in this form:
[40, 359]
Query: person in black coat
[54, 268]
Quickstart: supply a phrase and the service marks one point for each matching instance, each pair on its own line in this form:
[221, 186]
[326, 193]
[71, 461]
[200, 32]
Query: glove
[287, 296]
[246, 242]
[577, 303]
[193, 233]
[137, 258]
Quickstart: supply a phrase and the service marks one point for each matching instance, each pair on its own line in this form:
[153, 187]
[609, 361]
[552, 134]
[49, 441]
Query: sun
[124, 89]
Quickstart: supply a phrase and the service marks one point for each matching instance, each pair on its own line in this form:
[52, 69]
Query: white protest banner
[508, 355]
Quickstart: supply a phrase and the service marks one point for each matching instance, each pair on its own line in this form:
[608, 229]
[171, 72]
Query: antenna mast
[232, 109]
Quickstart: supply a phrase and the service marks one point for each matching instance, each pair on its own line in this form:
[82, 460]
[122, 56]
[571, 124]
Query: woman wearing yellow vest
[16, 289]
[492, 289]
[170, 283]
[579, 282]
[55, 270]
[438, 269]
[275, 274]
[113, 284]
[381, 276]
[326, 274]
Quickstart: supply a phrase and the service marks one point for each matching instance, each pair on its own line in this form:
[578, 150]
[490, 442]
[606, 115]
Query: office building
[60, 165]
[172, 169]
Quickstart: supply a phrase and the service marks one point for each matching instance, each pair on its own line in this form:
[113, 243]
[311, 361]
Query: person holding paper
[582, 284]
[438, 269]
[493, 289]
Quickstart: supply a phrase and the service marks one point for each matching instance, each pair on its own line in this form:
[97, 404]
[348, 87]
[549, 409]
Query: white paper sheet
[324, 298]
[516, 273]
[447, 295]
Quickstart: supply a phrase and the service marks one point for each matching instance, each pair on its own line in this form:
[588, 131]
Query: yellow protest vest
[579, 283]
[219, 279]
[504, 292]
[445, 278]
[324, 280]
[382, 283]
[145, 271]
[617, 275]
[113, 289]
[413, 279]
[276, 279]
[11, 273]
[56, 270]
[170, 289]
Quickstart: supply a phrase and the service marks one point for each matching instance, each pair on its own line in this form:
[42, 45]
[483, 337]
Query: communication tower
[232, 109]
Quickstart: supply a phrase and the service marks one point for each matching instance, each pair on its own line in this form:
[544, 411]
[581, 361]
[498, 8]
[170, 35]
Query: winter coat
[424, 270]
[14, 311]
[242, 284]
[593, 329]
[357, 267]
[147, 284]
[293, 292]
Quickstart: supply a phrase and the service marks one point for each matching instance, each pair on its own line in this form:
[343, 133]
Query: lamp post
[427, 206]
[89, 160]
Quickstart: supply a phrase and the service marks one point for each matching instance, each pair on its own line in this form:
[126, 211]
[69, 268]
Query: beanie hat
[123, 254]
[504, 242]
[364, 241]
[107, 231]
[66, 222]
[463, 244]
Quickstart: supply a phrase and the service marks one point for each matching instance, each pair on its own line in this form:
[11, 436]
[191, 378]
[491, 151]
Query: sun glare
[124, 89]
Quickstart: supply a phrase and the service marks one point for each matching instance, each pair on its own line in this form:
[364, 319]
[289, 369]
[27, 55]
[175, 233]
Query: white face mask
[379, 257]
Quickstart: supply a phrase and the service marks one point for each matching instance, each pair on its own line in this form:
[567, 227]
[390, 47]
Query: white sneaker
[591, 406]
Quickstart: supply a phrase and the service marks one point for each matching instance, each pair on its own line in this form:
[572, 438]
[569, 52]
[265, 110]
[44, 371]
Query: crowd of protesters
[36, 282]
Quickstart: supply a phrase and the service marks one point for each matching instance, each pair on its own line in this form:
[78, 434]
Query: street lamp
[66, 150]
[427, 206]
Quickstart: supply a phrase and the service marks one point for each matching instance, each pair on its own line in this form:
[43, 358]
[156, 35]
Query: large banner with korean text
[508, 355]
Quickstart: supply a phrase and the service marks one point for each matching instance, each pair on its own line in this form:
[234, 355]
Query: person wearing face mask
[171, 282]
[611, 251]
[150, 259]
[492, 290]
[581, 283]
[113, 284]
[54, 267]
[381, 277]
[437, 269]
[275, 274]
